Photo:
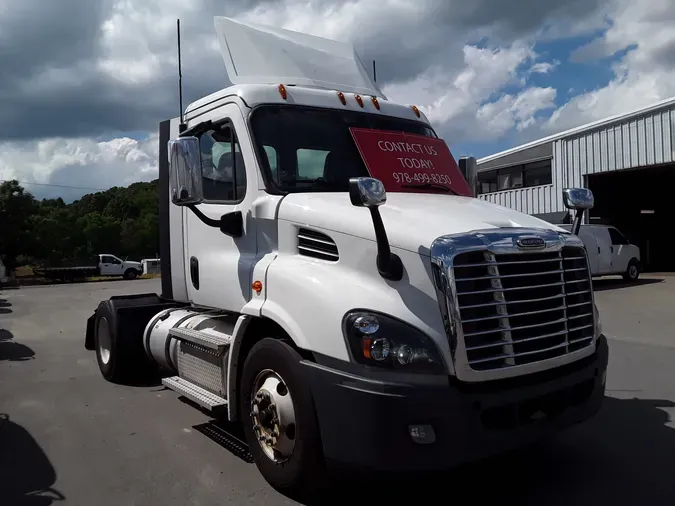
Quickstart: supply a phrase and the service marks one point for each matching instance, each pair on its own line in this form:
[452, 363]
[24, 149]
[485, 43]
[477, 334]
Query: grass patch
[25, 271]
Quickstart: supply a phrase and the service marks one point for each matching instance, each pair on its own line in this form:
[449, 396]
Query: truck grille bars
[514, 301]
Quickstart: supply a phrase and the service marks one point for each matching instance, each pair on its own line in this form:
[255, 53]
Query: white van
[609, 252]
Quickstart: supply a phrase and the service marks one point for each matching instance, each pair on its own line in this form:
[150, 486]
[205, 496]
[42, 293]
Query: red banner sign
[408, 162]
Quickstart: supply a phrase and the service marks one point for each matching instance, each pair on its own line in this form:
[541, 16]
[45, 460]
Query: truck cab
[330, 281]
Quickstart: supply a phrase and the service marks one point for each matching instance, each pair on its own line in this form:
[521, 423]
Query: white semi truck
[330, 281]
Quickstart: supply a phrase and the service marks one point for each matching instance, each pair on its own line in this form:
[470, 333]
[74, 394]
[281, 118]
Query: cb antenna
[374, 72]
[182, 126]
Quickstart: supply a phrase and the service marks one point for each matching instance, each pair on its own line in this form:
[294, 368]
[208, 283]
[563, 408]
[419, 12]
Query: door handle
[194, 272]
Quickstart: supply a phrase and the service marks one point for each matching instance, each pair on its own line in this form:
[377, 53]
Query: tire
[302, 471]
[633, 271]
[130, 274]
[121, 359]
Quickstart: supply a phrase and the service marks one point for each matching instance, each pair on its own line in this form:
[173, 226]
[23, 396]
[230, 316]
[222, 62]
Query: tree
[16, 208]
[122, 221]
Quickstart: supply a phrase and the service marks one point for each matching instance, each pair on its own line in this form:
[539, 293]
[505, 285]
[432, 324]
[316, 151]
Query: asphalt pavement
[69, 437]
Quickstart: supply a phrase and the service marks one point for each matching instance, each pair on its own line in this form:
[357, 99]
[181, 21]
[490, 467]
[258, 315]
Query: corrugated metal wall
[635, 142]
[534, 200]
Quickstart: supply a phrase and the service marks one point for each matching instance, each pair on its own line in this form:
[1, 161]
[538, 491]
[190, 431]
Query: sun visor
[259, 54]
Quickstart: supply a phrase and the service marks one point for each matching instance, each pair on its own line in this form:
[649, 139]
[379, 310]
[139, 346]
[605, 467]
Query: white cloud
[460, 103]
[471, 66]
[79, 162]
[643, 75]
[544, 67]
[517, 111]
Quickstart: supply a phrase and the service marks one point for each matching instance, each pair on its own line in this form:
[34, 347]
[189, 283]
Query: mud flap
[89, 335]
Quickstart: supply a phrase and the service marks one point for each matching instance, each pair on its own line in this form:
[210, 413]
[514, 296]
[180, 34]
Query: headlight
[598, 324]
[382, 341]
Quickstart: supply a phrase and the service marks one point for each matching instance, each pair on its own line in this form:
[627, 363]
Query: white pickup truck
[103, 264]
[609, 252]
[330, 281]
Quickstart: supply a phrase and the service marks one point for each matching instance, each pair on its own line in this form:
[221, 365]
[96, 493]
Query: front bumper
[364, 416]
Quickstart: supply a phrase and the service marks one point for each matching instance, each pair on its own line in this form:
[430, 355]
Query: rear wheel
[633, 271]
[279, 418]
[121, 358]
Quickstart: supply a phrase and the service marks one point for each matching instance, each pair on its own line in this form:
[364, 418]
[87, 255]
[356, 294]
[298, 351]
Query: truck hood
[412, 220]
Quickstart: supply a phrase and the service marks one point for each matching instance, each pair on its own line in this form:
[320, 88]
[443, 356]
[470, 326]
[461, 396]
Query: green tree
[121, 221]
[16, 208]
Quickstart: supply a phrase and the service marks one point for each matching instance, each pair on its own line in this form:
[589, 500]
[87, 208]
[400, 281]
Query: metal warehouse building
[628, 161]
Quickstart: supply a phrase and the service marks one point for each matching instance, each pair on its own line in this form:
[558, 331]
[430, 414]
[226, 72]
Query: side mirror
[579, 199]
[469, 169]
[369, 192]
[185, 171]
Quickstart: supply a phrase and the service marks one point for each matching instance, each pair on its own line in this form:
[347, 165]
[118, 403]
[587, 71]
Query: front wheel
[633, 271]
[279, 418]
[130, 274]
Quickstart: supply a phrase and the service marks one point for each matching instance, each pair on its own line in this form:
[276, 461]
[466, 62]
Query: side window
[617, 237]
[273, 159]
[105, 259]
[116, 261]
[223, 171]
[311, 163]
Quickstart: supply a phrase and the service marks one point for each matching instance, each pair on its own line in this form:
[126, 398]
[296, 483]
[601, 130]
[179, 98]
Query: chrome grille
[519, 308]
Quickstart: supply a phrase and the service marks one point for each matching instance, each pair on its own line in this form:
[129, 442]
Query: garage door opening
[640, 204]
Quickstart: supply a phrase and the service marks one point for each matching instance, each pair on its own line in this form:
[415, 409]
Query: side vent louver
[317, 245]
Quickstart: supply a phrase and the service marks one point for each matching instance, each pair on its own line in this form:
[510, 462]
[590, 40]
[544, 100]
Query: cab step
[202, 338]
[195, 393]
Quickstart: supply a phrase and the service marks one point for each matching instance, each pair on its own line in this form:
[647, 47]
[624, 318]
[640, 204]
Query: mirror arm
[578, 219]
[231, 224]
[203, 218]
[389, 265]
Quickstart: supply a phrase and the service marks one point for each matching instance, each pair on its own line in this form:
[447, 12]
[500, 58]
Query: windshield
[308, 149]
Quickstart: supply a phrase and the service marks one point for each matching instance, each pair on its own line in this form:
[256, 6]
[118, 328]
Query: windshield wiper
[435, 186]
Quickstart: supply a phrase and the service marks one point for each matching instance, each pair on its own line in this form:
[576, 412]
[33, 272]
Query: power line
[56, 185]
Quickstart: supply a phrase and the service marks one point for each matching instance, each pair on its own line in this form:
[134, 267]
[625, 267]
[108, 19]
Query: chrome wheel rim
[104, 340]
[273, 416]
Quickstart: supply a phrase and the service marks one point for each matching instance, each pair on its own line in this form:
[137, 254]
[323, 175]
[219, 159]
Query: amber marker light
[359, 100]
[342, 98]
[415, 110]
[376, 103]
[257, 287]
[282, 91]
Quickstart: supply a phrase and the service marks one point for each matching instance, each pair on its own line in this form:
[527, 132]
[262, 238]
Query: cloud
[78, 162]
[76, 71]
[88, 67]
[644, 74]
[460, 102]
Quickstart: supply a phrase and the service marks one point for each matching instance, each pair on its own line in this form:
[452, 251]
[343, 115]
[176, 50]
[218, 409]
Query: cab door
[218, 266]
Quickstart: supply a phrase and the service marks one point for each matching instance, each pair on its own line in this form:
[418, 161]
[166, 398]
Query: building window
[538, 173]
[517, 176]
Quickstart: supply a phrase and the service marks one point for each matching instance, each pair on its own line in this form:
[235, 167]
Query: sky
[85, 83]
